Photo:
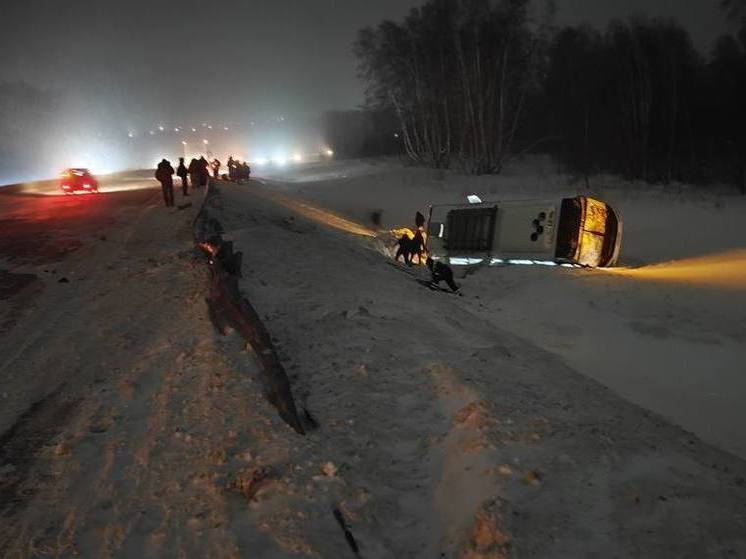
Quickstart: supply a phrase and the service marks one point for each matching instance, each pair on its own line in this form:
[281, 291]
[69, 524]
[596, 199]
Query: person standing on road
[216, 168]
[194, 172]
[231, 168]
[243, 172]
[165, 175]
[204, 171]
[182, 173]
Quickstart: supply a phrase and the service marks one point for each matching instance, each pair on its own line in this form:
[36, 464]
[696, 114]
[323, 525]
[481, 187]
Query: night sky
[167, 61]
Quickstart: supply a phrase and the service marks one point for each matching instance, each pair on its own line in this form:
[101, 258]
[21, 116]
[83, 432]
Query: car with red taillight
[78, 180]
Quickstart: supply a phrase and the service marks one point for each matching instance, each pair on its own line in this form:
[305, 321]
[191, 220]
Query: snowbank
[676, 347]
[441, 433]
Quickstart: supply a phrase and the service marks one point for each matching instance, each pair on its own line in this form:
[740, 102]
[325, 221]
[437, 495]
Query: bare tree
[458, 74]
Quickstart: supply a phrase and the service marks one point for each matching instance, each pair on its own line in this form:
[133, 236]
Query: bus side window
[470, 229]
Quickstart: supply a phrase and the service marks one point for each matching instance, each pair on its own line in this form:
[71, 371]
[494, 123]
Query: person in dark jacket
[194, 172]
[245, 172]
[165, 175]
[414, 246]
[417, 246]
[182, 173]
[216, 168]
[231, 168]
[409, 248]
[204, 171]
[441, 272]
[419, 220]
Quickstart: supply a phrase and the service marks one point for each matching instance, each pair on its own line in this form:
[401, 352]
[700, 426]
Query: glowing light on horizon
[722, 270]
[317, 214]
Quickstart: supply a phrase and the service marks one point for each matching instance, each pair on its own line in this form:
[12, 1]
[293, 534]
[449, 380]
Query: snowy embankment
[675, 346]
[443, 432]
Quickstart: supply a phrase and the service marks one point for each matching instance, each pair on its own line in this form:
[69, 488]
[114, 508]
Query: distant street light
[183, 143]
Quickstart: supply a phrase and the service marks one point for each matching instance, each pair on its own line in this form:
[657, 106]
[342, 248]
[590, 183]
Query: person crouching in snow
[441, 272]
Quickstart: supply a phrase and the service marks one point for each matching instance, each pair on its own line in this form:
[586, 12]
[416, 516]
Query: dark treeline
[474, 83]
[458, 76]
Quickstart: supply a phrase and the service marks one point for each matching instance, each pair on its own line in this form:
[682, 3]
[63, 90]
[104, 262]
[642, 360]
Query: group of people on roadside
[409, 247]
[238, 171]
[197, 172]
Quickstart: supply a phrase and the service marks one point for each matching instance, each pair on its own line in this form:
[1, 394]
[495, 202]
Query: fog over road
[40, 224]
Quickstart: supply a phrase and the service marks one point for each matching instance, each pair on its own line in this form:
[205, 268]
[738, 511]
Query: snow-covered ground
[676, 346]
[446, 426]
[128, 426]
[444, 431]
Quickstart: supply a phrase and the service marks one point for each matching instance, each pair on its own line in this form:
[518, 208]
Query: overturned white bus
[575, 231]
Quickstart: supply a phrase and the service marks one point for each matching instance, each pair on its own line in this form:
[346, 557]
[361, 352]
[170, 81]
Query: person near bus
[441, 272]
